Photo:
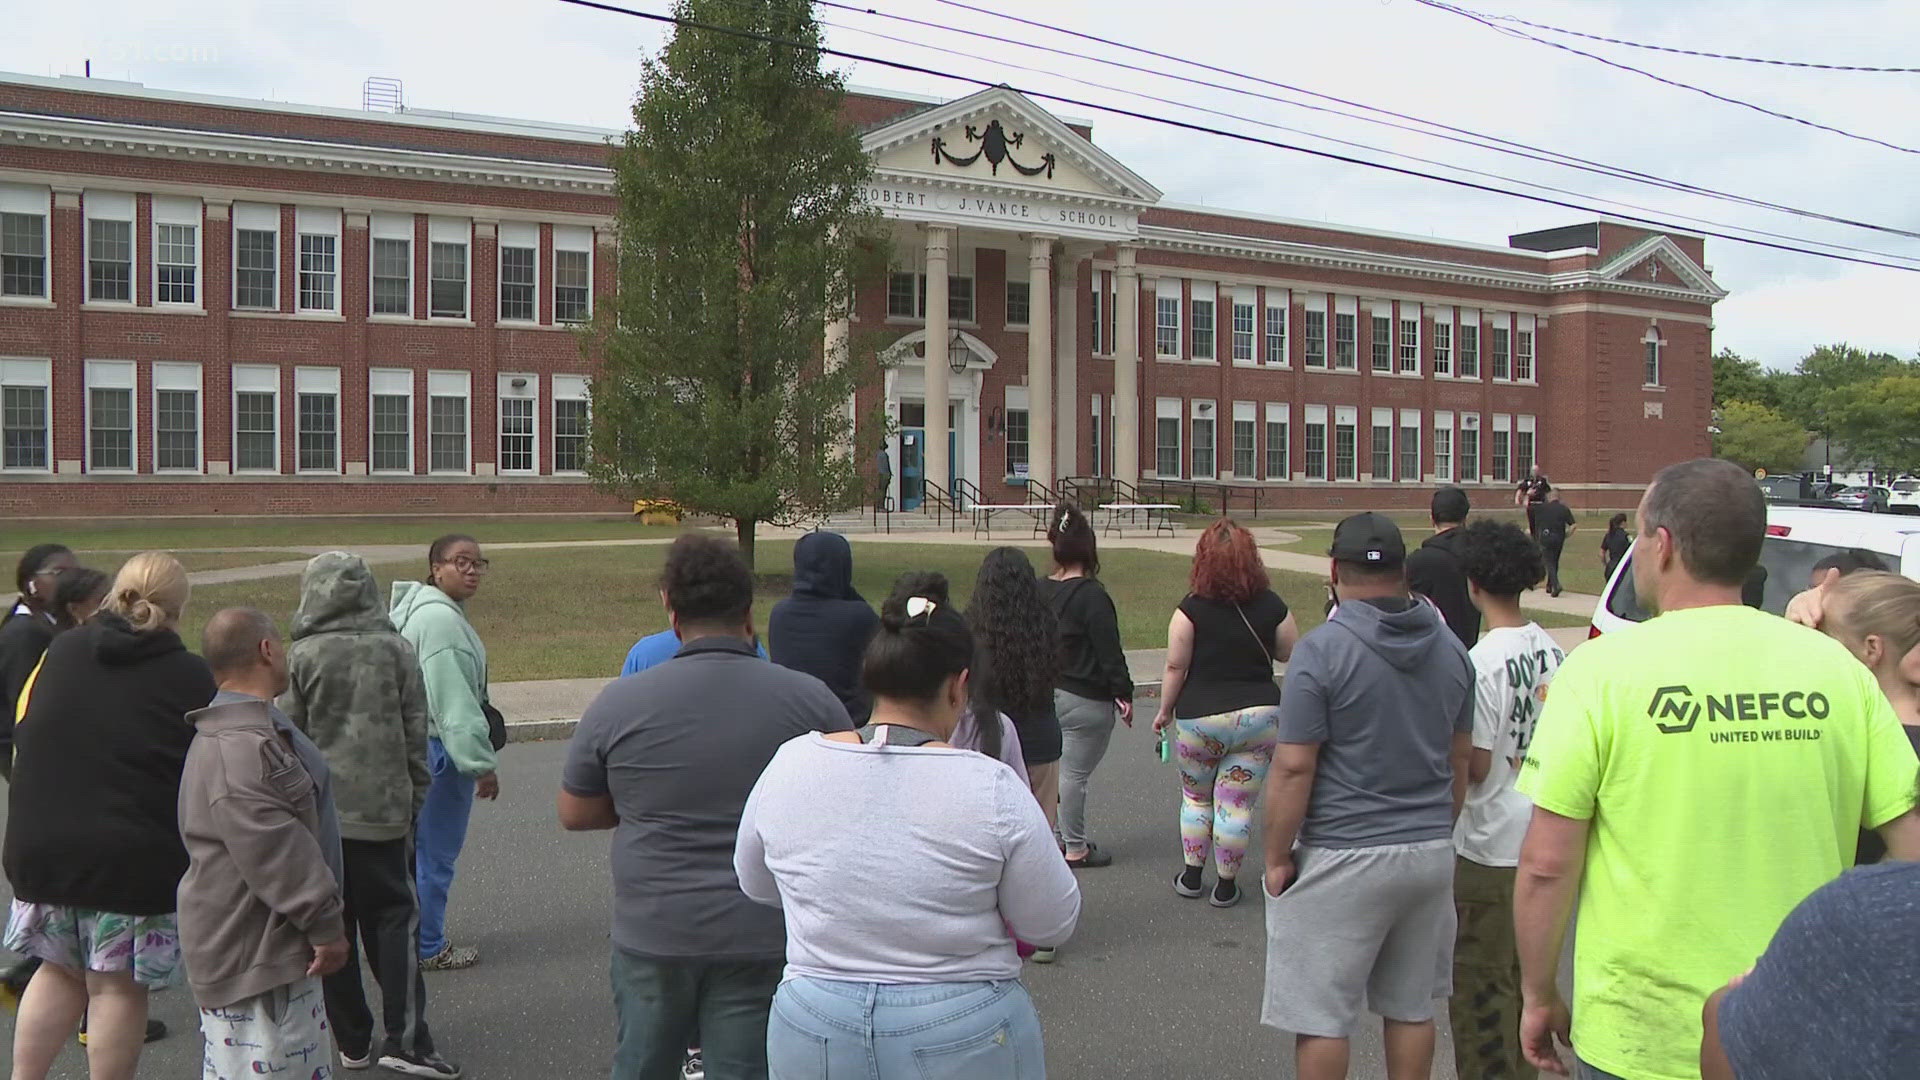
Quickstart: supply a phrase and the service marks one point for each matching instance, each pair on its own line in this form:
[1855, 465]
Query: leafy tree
[1759, 437]
[1878, 422]
[742, 234]
[1830, 368]
[1736, 378]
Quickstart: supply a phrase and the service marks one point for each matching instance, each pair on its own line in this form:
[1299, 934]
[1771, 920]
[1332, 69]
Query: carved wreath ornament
[994, 146]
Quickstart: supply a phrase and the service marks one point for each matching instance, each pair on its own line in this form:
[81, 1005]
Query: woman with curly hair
[1219, 696]
[1016, 662]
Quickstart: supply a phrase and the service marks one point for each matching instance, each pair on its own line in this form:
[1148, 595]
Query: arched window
[1653, 343]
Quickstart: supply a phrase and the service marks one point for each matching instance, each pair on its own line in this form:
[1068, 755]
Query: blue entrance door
[913, 465]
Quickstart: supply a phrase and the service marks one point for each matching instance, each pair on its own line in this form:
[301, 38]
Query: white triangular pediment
[1658, 262]
[999, 138]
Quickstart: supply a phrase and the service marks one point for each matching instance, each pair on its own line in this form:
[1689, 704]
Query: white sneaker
[695, 1068]
[356, 1063]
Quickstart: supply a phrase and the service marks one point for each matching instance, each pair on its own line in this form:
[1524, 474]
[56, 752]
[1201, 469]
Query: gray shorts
[1370, 925]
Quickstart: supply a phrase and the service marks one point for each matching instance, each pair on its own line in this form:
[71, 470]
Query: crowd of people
[1442, 791]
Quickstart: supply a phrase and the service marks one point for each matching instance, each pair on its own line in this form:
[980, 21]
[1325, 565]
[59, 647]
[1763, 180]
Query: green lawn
[109, 561]
[317, 533]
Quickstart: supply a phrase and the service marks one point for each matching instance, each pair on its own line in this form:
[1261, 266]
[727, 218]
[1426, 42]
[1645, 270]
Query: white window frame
[1409, 421]
[1442, 446]
[1525, 425]
[1025, 283]
[255, 217]
[1168, 299]
[450, 384]
[1526, 342]
[517, 236]
[32, 373]
[1654, 344]
[1346, 418]
[1204, 293]
[1442, 344]
[1244, 412]
[391, 382]
[1316, 304]
[1280, 302]
[1502, 474]
[1101, 301]
[1382, 419]
[1201, 411]
[1499, 324]
[32, 200]
[1469, 431]
[390, 227]
[1380, 348]
[1409, 351]
[178, 377]
[453, 231]
[253, 379]
[180, 212]
[575, 239]
[571, 388]
[506, 391]
[1169, 409]
[1017, 402]
[324, 223]
[317, 382]
[1098, 433]
[1315, 416]
[1344, 308]
[117, 208]
[1277, 412]
[1246, 302]
[123, 376]
[1470, 326]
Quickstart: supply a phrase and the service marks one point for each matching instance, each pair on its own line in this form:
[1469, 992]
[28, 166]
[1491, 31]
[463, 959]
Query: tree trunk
[743, 533]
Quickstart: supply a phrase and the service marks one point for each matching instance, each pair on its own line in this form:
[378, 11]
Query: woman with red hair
[1219, 696]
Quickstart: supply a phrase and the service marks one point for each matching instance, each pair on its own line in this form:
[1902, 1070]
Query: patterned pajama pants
[283, 1032]
[1223, 762]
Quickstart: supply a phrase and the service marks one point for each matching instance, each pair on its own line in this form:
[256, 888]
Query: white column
[839, 334]
[1040, 361]
[937, 462]
[1126, 367]
[1066, 388]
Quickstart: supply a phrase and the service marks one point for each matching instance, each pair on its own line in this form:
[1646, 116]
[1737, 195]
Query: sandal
[1092, 860]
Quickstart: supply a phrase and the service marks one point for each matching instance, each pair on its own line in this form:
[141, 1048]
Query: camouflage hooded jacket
[354, 686]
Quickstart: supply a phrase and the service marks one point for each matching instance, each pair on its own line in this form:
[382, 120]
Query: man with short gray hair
[1693, 778]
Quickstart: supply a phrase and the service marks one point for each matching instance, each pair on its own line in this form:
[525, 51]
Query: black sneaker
[427, 1064]
[1092, 860]
[1225, 893]
[1189, 883]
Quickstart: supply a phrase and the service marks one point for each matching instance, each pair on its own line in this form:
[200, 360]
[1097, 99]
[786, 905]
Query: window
[903, 297]
[1277, 442]
[519, 271]
[1523, 446]
[109, 247]
[570, 404]
[1502, 448]
[1316, 442]
[176, 251]
[1443, 447]
[392, 256]
[1166, 455]
[960, 298]
[519, 399]
[1382, 444]
[391, 429]
[1345, 440]
[447, 268]
[572, 273]
[1243, 343]
[256, 257]
[317, 273]
[26, 442]
[1166, 329]
[1204, 334]
[1410, 346]
[1442, 345]
[256, 419]
[1316, 338]
[1098, 431]
[1019, 302]
[1470, 448]
[1345, 341]
[176, 417]
[1410, 445]
[317, 408]
[1244, 452]
[1102, 317]
[1205, 444]
[23, 240]
[907, 296]
[1276, 330]
[447, 393]
[1501, 342]
[1383, 343]
[109, 416]
[1017, 442]
[1652, 342]
[1469, 351]
[1523, 350]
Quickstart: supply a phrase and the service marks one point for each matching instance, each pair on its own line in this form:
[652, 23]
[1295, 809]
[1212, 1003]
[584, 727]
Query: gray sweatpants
[1086, 727]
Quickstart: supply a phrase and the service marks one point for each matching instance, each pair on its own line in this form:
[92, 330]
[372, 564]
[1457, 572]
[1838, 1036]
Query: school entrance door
[912, 452]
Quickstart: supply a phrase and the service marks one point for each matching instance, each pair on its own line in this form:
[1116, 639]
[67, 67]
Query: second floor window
[517, 283]
[23, 255]
[1382, 344]
[392, 277]
[256, 269]
[1203, 332]
[1316, 339]
[176, 264]
[110, 260]
[318, 271]
[1344, 342]
[448, 281]
[572, 286]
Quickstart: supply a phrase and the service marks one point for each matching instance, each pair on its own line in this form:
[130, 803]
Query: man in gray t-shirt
[666, 758]
[1369, 773]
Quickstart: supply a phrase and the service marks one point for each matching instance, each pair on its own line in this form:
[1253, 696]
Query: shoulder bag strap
[1248, 623]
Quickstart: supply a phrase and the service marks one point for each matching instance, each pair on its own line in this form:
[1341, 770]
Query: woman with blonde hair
[1876, 615]
[93, 847]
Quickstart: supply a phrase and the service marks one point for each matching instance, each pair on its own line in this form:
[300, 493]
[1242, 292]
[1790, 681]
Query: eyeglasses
[52, 571]
[919, 607]
[465, 564]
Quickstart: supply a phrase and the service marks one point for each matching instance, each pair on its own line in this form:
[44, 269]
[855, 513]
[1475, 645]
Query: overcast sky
[545, 60]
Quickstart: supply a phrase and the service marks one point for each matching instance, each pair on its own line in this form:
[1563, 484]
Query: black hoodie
[93, 811]
[1433, 571]
[824, 627]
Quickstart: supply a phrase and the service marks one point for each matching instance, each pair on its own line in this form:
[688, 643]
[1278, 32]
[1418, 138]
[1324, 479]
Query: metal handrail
[946, 508]
[1038, 492]
[966, 494]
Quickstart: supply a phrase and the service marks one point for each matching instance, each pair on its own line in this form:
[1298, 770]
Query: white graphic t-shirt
[1513, 666]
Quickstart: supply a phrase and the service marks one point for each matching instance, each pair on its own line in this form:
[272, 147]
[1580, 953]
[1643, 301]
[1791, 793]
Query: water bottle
[1162, 747]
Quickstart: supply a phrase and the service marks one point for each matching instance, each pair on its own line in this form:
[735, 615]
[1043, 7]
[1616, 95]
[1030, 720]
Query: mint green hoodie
[454, 664]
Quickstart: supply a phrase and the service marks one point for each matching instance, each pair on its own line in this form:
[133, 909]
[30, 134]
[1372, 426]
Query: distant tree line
[1865, 404]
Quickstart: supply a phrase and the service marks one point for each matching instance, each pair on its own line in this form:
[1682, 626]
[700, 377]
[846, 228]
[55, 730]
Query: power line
[1332, 139]
[1708, 55]
[1468, 136]
[1205, 130]
[1488, 22]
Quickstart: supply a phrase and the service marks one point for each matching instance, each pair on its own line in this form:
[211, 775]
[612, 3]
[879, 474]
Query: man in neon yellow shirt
[1693, 779]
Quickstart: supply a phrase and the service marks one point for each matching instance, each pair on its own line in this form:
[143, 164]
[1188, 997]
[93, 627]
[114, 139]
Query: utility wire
[1203, 129]
[1342, 142]
[1469, 137]
[1488, 22]
[1708, 55]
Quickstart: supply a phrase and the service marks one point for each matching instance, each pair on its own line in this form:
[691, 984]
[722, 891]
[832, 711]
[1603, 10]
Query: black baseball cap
[1369, 540]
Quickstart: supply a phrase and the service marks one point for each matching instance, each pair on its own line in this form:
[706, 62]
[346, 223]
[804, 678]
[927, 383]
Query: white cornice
[1663, 248]
[99, 136]
[973, 185]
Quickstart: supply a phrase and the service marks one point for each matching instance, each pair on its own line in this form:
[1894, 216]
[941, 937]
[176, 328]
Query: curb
[520, 731]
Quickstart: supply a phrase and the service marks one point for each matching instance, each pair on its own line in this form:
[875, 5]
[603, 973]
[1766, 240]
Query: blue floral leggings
[1223, 762]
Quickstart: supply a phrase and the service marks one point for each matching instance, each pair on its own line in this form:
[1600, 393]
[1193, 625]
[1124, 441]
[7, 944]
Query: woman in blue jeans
[900, 929]
[432, 616]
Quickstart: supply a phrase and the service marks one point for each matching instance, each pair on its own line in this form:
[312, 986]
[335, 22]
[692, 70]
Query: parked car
[1797, 537]
[1874, 500]
[1905, 497]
